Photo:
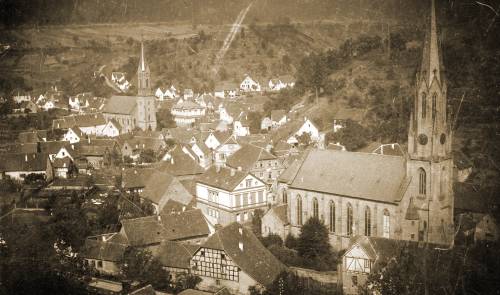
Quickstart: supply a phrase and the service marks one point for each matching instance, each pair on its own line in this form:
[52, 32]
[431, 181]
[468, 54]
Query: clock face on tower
[422, 139]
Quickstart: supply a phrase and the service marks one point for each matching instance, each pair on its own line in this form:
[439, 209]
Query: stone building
[133, 112]
[407, 197]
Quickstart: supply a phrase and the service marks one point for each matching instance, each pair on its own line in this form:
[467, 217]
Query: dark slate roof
[32, 136]
[174, 254]
[247, 156]
[156, 185]
[108, 251]
[255, 259]
[221, 178]
[185, 225]
[124, 105]
[136, 177]
[52, 147]
[23, 162]
[412, 212]
[143, 231]
[358, 175]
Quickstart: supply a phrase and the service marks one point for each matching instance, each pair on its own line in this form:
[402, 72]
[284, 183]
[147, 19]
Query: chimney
[240, 245]
[26, 158]
[239, 168]
[88, 139]
[233, 172]
[240, 230]
[135, 171]
[183, 208]
[72, 146]
[217, 169]
[172, 160]
[159, 218]
[103, 238]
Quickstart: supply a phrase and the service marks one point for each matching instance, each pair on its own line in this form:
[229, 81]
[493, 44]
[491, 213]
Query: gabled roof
[146, 290]
[23, 162]
[136, 177]
[84, 120]
[32, 136]
[277, 115]
[103, 250]
[143, 231]
[120, 105]
[181, 165]
[156, 185]
[174, 254]
[357, 175]
[222, 178]
[186, 105]
[281, 212]
[248, 155]
[254, 259]
[185, 225]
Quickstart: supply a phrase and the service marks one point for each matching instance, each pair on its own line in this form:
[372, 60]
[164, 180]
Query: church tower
[429, 199]
[146, 107]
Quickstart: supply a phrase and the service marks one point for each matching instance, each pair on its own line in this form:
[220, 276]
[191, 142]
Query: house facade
[227, 195]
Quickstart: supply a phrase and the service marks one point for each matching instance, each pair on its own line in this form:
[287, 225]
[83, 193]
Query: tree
[353, 136]
[147, 156]
[254, 119]
[304, 138]
[185, 281]
[165, 118]
[140, 265]
[313, 240]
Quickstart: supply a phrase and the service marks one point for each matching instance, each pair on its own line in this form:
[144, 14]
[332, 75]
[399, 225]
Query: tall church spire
[431, 59]
[429, 134]
[143, 75]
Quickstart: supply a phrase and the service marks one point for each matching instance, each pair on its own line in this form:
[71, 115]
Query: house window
[245, 216]
[367, 263]
[315, 208]
[248, 182]
[350, 223]
[368, 222]
[331, 219]
[386, 224]
[238, 217]
[424, 105]
[252, 198]
[99, 264]
[299, 210]
[354, 280]
[245, 199]
[422, 181]
[285, 197]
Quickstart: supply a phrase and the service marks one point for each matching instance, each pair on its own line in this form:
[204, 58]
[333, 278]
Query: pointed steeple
[432, 65]
[142, 62]
[143, 75]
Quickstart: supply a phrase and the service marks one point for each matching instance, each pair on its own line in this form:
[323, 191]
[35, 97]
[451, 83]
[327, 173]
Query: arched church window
[285, 197]
[331, 216]
[350, 222]
[368, 221]
[315, 208]
[299, 210]
[424, 105]
[386, 224]
[422, 181]
[434, 98]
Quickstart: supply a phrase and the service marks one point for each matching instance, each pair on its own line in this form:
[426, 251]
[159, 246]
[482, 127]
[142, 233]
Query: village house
[89, 124]
[226, 90]
[234, 258]
[73, 135]
[249, 85]
[187, 112]
[278, 118]
[224, 115]
[307, 127]
[134, 179]
[18, 166]
[105, 256]
[241, 125]
[281, 82]
[342, 115]
[160, 187]
[33, 136]
[258, 161]
[226, 195]
[175, 257]
[266, 124]
[134, 111]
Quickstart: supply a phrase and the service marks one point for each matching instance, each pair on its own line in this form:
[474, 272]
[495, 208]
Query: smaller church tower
[146, 105]
[429, 199]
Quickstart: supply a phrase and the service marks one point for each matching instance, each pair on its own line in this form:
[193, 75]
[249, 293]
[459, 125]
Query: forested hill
[54, 12]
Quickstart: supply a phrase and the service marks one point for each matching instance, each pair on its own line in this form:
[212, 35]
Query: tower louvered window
[422, 181]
